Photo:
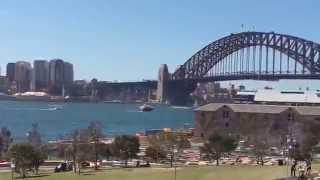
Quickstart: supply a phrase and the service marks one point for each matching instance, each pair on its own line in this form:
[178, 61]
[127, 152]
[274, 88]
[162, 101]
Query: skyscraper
[11, 71]
[22, 75]
[68, 73]
[41, 74]
[60, 75]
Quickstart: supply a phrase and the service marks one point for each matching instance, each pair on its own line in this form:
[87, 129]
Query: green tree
[217, 145]
[85, 146]
[155, 153]
[170, 142]
[105, 150]
[40, 154]
[5, 141]
[125, 147]
[260, 147]
[95, 132]
[34, 136]
[26, 156]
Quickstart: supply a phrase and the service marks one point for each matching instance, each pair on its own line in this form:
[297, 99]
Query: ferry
[146, 108]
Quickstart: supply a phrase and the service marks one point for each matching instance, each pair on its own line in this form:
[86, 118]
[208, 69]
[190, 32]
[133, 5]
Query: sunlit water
[55, 120]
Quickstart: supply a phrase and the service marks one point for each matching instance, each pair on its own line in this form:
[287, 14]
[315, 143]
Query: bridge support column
[174, 92]
[179, 92]
[163, 78]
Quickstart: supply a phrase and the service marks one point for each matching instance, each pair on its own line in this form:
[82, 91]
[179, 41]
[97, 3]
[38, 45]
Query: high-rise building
[23, 75]
[41, 75]
[68, 73]
[11, 71]
[56, 71]
[60, 75]
[4, 84]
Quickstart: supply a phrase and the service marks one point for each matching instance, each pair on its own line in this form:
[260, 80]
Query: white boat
[146, 108]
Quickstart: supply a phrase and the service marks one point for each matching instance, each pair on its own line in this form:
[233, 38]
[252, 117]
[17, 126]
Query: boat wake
[32, 109]
[180, 107]
[134, 111]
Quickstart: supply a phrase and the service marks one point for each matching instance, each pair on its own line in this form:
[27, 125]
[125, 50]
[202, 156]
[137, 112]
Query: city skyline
[40, 75]
[128, 41]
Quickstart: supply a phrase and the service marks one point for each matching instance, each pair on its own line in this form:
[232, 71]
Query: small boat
[146, 108]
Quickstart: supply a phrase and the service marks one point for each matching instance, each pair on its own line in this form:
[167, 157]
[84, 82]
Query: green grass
[190, 173]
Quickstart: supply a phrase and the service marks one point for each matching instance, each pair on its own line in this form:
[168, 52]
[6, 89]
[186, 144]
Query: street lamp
[174, 150]
[13, 166]
[291, 143]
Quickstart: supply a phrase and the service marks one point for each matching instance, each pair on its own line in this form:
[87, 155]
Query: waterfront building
[4, 84]
[243, 119]
[68, 73]
[211, 92]
[22, 75]
[41, 75]
[56, 71]
[285, 97]
[60, 75]
[11, 71]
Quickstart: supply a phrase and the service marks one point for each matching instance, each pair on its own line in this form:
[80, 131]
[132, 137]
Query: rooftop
[312, 97]
[258, 108]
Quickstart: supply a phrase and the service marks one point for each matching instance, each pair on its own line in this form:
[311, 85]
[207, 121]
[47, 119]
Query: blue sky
[128, 39]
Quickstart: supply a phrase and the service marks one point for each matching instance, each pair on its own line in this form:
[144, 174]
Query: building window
[227, 124]
[275, 126]
[290, 117]
[225, 114]
[202, 135]
[203, 115]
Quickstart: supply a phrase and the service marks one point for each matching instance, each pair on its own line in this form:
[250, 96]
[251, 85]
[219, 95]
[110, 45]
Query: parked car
[85, 164]
[62, 167]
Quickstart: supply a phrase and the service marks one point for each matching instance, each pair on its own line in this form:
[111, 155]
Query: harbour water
[55, 120]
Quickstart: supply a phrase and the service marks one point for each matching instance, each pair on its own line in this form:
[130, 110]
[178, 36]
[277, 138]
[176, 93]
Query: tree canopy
[125, 147]
[217, 145]
[26, 156]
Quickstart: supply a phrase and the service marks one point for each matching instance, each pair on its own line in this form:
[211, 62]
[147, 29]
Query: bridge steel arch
[304, 52]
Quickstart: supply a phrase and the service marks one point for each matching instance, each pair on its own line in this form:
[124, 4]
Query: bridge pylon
[163, 78]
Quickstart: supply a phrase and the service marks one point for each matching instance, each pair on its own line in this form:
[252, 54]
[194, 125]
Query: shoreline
[60, 99]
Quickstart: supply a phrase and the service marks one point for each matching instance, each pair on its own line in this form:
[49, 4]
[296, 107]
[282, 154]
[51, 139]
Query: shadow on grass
[33, 176]
[88, 174]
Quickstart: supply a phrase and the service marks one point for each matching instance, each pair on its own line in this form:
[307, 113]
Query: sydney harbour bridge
[238, 56]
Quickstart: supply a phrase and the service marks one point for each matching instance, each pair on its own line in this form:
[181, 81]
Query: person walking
[308, 165]
[293, 168]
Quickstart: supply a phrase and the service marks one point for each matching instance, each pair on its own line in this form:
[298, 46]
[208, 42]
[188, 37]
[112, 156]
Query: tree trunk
[74, 164]
[261, 159]
[95, 156]
[96, 162]
[217, 161]
[23, 173]
[79, 168]
[37, 169]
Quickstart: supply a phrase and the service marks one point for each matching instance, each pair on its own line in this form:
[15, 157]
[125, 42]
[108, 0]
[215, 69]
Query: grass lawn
[190, 173]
